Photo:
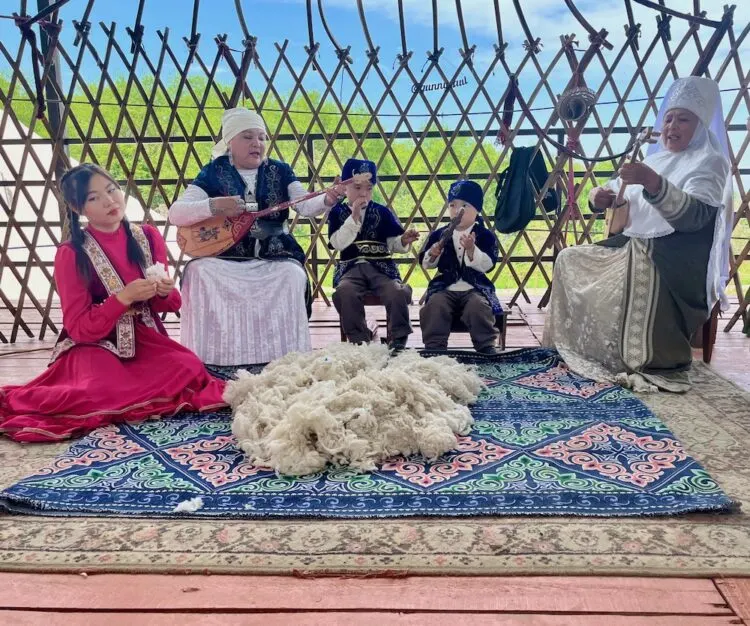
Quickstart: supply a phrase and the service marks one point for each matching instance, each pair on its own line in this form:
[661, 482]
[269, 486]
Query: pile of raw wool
[350, 406]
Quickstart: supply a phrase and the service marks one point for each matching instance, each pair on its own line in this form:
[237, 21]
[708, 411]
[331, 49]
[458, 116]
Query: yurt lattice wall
[150, 114]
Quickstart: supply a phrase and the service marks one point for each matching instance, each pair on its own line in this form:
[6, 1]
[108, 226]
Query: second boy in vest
[461, 288]
[367, 233]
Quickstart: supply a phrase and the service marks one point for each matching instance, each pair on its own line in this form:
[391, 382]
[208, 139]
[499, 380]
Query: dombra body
[217, 234]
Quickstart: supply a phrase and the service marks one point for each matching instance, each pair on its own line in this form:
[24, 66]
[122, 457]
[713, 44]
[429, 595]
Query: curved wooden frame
[59, 85]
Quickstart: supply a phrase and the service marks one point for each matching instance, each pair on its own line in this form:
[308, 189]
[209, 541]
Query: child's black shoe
[397, 345]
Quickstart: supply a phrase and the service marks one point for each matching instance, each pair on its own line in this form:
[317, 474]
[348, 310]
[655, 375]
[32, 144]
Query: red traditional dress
[111, 364]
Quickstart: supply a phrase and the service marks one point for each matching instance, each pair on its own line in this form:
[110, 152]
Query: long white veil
[702, 97]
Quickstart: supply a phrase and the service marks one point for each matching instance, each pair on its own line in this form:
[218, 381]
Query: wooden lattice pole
[156, 147]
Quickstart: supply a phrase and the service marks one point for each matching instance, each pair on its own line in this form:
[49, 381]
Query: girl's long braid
[77, 237]
[135, 254]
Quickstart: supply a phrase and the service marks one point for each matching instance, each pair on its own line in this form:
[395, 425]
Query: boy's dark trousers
[349, 302]
[436, 318]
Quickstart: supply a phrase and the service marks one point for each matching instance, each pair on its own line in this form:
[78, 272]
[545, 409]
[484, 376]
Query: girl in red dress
[113, 361]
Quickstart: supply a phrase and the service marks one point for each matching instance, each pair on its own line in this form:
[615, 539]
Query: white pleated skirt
[244, 312]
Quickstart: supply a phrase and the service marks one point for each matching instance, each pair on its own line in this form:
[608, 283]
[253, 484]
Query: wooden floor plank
[271, 601]
[525, 329]
[477, 594]
[40, 618]
[736, 591]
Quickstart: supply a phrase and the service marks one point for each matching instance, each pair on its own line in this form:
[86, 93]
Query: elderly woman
[251, 303]
[625, 310]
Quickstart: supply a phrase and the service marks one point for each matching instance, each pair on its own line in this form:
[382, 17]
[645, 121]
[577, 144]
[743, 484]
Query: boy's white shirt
[481, 261]
[345, 236]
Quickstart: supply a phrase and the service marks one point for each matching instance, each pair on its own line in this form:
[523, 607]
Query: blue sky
[274, 21]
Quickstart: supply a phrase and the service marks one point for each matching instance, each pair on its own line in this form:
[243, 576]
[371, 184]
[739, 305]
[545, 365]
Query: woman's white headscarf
[233, 122]
[701, 170]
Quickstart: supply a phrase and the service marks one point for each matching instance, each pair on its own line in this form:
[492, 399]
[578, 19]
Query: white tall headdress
[696, 94]
[703, 97]
[233, 122]
[701, 170]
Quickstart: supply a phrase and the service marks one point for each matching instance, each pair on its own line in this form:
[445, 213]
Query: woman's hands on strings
[640, 174]
[630, 174]
[229, 206]
[603, 198]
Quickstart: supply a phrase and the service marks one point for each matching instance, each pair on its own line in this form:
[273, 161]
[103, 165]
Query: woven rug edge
[698, 571]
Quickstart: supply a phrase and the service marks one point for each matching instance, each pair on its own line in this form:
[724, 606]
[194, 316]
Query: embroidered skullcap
[468, 191]
[696, 94]
[359, 166]
[233, 122]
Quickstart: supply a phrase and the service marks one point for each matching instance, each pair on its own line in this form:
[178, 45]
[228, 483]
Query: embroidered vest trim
[124, 346]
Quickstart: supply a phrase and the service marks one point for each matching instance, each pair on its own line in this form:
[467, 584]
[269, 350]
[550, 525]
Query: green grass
[402, 155]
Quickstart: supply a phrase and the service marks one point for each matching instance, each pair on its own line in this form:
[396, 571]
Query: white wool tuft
[189, 506]
[350, 406]
[157, 270]
[636, 382]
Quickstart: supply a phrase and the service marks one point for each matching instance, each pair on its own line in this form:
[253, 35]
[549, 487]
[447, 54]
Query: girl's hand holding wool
[139, 290]
[164, 287]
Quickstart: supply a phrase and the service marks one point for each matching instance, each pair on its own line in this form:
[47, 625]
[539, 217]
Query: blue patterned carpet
[545, 442]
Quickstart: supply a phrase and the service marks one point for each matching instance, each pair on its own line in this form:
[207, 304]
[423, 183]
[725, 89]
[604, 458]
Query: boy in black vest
[461, 287]
[367, 233]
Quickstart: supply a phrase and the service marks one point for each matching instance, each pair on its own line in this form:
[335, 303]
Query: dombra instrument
[217, 234]
[447, 234]
[646, 136]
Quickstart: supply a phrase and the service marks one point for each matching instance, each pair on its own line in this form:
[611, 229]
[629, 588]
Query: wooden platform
[115, 599]
[27, 357]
